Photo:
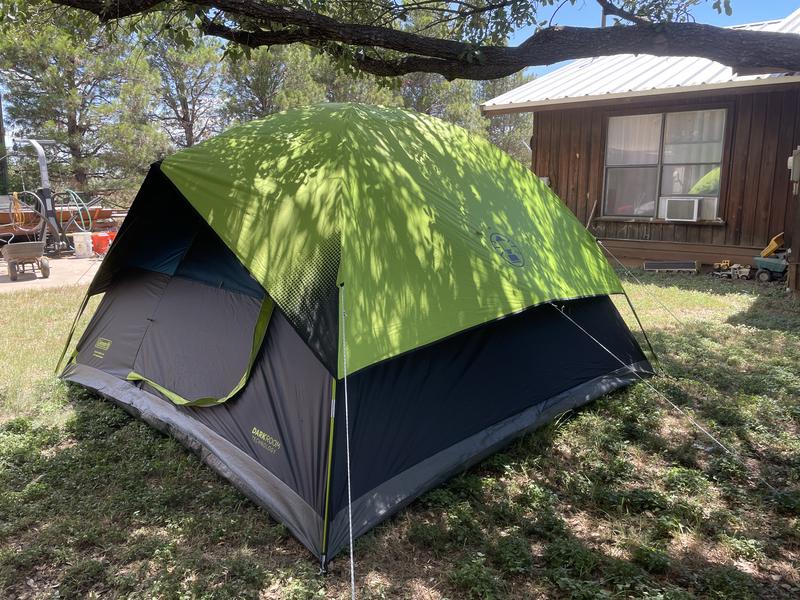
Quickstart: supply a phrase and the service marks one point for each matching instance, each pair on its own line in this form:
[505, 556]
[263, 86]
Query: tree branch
[254, 39]
[457, 59]
[611, 9]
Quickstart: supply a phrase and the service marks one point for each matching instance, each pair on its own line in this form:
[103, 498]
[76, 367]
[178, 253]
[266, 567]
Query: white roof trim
[518, 106]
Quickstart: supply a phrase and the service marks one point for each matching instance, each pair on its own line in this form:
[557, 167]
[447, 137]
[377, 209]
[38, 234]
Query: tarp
[430, 229]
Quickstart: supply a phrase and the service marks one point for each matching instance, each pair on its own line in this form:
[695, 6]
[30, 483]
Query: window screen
[652, 157]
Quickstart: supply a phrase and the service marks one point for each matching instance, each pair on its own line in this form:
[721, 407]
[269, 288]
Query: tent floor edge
[402, 489]
[263, 488]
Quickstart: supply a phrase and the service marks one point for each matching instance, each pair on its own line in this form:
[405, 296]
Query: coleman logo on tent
[100, 347]
[508, 249]
[265, 440]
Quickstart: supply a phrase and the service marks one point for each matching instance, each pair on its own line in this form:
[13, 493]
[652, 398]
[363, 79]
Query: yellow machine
[774, 244]
[772, 264]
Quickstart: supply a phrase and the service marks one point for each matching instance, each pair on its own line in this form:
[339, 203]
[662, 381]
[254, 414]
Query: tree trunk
[74, 135]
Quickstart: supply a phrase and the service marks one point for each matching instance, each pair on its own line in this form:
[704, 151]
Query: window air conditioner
[681, 209]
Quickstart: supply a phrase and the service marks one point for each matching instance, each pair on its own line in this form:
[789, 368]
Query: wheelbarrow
[22, 254]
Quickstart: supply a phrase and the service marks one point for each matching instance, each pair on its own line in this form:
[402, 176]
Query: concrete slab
[63, 271]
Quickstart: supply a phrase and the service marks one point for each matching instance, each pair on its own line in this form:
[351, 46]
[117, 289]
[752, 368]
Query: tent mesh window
[309, 300]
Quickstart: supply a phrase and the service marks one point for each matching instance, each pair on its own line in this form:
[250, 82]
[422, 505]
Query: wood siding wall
[762, 129]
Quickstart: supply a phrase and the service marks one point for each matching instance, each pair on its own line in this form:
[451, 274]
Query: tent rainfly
[339, 247]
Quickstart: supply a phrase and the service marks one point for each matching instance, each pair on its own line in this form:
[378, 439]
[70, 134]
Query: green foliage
[271, 80]
[670, 10]
[567, 555]
[440, 497]
[428, 536]
[685, 481]
[546, 524]
[742, 547]
[474, 579]
[511, 133]
[651, 559]
[638, 500]
[302, 587]
[581, 590]
[535, 497]
[466, 486]
[81, 577]
[726, 469]
[511, 554]
[69, 81]
[725, 582]
[189, 68]
[788, 501]
[143, 89]
[454, 101]
[463, 526]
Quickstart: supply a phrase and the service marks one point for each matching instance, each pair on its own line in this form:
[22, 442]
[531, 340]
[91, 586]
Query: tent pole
[347, 447]
[324, 558]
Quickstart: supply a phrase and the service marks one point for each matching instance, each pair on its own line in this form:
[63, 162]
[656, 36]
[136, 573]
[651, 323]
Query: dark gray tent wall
[420, 418]
[180, 309]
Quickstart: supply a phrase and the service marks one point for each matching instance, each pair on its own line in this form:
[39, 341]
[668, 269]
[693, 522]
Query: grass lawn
[621, 499]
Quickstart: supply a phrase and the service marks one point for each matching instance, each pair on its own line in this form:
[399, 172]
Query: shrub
[639, 500]
[727, 469]
[466, 487]
[788, 502]
[17, 425]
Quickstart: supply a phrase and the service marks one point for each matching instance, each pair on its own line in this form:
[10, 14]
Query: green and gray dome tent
[250, 267]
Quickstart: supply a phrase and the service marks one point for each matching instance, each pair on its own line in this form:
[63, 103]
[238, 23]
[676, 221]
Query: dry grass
[620, 499]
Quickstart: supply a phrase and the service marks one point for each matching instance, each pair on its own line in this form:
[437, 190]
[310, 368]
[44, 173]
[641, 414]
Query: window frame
[663, 111]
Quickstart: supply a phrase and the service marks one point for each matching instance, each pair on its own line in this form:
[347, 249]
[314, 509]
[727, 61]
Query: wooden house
[669, 158]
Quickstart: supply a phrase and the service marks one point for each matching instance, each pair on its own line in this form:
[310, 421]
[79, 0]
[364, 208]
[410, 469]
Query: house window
[652, 157]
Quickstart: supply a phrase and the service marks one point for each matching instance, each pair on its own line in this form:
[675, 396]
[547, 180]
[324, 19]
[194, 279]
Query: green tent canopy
[415, 216]
[261, 274]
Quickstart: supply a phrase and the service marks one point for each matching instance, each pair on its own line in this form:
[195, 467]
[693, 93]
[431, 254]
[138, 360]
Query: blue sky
[586, 13]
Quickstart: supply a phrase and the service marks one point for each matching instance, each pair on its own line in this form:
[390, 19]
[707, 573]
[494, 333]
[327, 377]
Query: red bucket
[101, 242]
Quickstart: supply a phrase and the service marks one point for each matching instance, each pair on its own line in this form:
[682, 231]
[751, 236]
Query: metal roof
[634, 75]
